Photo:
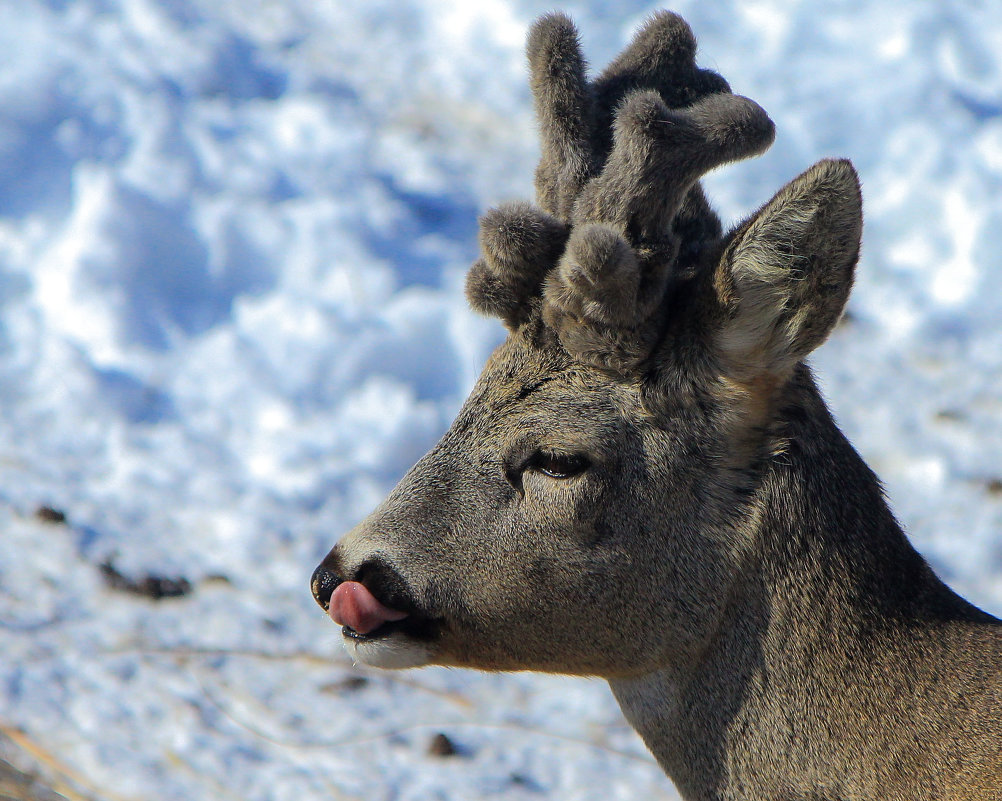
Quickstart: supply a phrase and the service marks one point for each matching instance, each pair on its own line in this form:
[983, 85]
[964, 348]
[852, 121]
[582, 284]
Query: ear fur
[785, 274]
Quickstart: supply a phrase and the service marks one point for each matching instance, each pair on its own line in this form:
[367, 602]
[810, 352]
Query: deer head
[595, 499]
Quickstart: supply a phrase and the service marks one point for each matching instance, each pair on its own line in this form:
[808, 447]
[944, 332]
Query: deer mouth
[379, 635]
[393, 645]
[381, 624]
[365, 619]
[360, 614]
[385, 630]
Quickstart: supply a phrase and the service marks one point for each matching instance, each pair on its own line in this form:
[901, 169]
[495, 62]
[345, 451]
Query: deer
[645, 483]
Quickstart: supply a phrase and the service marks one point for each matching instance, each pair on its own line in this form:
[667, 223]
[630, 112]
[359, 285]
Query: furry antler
[617, 183]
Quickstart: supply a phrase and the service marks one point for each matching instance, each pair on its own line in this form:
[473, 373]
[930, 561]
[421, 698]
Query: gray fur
[646, 485]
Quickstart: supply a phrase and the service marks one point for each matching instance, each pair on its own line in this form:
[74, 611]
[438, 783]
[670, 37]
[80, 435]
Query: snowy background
[233, 236]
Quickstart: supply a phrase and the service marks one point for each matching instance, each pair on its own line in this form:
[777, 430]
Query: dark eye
[557, 465]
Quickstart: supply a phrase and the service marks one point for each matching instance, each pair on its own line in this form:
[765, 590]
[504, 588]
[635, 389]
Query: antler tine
[660, 57]
[658, 155]
[614, 271]
[565, 109]
[520, 244]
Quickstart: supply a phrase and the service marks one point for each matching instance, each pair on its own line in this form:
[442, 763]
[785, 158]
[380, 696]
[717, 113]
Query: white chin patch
[391, 652]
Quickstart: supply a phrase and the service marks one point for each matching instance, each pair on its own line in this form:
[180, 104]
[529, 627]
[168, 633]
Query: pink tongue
[352, 605]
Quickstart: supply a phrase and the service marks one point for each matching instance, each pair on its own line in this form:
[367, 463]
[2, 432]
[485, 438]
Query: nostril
[323, 584]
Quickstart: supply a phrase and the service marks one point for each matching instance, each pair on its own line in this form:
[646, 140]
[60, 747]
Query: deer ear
[785, 274]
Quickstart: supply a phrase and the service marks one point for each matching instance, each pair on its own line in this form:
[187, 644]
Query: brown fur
[645, 484]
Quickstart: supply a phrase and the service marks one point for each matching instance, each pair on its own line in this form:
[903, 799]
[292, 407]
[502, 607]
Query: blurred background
[233, 237]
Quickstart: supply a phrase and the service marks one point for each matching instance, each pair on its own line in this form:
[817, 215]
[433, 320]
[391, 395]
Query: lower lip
[385, 630]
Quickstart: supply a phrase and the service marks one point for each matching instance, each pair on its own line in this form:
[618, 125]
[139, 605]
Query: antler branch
[565, 107]
[520, 245]
[658, 154]
[617, 183]
[661, 58]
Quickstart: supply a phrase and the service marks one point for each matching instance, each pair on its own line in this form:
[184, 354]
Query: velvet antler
[617, 183]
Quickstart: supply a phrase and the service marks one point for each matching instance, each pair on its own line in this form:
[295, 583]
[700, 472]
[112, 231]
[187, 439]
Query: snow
[232, 243]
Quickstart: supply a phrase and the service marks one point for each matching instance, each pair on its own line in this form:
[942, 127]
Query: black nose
[322, 584]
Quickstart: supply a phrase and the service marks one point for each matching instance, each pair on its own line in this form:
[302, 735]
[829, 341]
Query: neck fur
[822, 676]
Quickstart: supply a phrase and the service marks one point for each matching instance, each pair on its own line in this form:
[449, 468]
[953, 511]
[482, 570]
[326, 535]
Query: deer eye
[557, 465]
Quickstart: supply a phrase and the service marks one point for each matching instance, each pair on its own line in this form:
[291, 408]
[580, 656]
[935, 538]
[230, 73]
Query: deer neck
[806, 690]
